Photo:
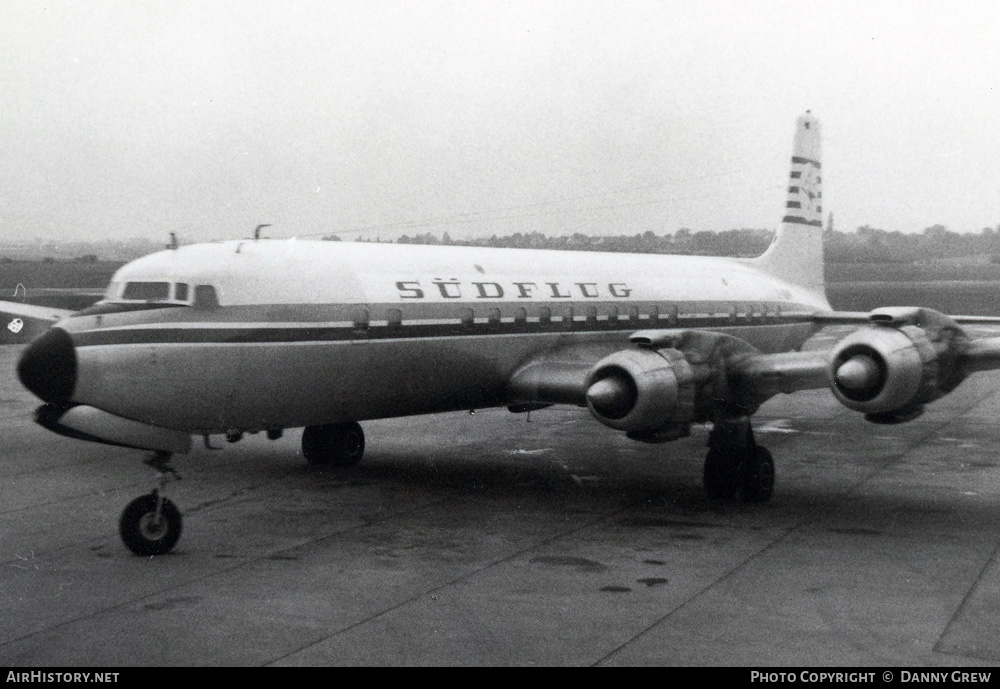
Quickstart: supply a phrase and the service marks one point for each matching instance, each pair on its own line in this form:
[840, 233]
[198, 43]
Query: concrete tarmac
[487, 539]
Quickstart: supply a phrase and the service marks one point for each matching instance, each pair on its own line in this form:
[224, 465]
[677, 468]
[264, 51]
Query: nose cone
[48, 367]
[612, 397]
[858, 373]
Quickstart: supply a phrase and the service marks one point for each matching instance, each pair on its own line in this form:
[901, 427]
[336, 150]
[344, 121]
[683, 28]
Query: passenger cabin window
[181, 291]
[147, 291]
[568, 318]
[468, 318]
[394, 319]
[361, 320]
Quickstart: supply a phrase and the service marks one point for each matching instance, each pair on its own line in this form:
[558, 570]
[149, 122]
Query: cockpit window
[113, 289]
[147, 291]
[139, 295]
[205, 297]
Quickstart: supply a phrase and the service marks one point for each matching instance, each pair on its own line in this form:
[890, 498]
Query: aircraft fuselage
[255, 335]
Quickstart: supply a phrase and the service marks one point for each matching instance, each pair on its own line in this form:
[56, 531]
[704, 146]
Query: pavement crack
[818, 516]
[729, 574]
[964, 605]
[471, 573]
[243, 563]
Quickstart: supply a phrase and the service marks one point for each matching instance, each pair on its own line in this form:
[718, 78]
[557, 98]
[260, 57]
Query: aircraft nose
[48, 367]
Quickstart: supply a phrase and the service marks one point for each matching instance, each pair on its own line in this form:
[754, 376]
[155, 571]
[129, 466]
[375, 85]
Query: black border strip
[292, 335]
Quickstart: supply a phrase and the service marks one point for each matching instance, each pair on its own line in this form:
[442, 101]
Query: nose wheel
[151, 524]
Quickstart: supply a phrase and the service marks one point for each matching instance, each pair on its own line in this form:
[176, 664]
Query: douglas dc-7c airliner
[247, 336]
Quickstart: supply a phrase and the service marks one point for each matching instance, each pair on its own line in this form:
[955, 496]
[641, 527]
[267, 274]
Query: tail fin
[796, 254]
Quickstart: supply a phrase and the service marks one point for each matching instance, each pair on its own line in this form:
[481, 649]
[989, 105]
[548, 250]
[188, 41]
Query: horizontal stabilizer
[21, 323]
[41, 313]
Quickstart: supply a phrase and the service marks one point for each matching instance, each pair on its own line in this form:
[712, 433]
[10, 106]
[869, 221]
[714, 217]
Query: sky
[379, 118]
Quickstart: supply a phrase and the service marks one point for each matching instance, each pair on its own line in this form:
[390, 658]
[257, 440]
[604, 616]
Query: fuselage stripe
[278, 333]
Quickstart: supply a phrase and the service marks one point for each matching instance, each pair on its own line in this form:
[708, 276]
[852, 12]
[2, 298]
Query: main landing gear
[737, 464]
[151, 524]
[335, 444]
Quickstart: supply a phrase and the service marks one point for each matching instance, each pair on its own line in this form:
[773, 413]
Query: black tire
[335, 444]
[142, 533]
[720, 476]
[756, 476]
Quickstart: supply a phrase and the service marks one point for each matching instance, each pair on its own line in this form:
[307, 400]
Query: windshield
[140, 295]
[147, 291]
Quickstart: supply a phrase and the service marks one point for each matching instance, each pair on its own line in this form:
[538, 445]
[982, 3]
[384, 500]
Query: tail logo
[809, 192]
[805, 196]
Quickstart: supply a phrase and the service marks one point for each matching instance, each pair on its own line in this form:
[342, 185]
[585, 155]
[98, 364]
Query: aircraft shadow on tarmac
[662, 494]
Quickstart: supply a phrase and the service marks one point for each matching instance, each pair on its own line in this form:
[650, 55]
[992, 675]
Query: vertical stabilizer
[796, 254]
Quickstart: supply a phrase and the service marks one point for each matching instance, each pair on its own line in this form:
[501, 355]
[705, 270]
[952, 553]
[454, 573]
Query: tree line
[865, 245]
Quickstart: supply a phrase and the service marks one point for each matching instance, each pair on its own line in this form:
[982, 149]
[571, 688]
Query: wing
[898, 360]
[864, 317]
[23, 322]
[893, 346]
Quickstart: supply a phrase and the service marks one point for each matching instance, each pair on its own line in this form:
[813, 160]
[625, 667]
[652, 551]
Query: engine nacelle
[648, 393]
[890, 370]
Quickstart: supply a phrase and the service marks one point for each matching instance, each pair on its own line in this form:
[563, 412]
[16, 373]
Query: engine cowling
[890, 370]
[649, 394]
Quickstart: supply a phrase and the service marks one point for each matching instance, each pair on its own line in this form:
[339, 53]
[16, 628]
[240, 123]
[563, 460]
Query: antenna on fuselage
[256, 231]
[173, 241]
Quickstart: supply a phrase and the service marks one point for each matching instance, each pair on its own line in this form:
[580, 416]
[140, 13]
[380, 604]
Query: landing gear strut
[335, 444]
[737, 464]
[151, 524]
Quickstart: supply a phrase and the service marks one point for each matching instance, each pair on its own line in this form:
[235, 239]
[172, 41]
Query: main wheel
[756, 476]
[720, 475]
[145, 533]
[335, 444]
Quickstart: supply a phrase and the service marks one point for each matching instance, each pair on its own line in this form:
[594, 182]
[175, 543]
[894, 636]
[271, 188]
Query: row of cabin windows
[669, 316]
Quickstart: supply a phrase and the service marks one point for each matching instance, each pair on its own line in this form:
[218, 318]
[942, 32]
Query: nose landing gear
[151, 524]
